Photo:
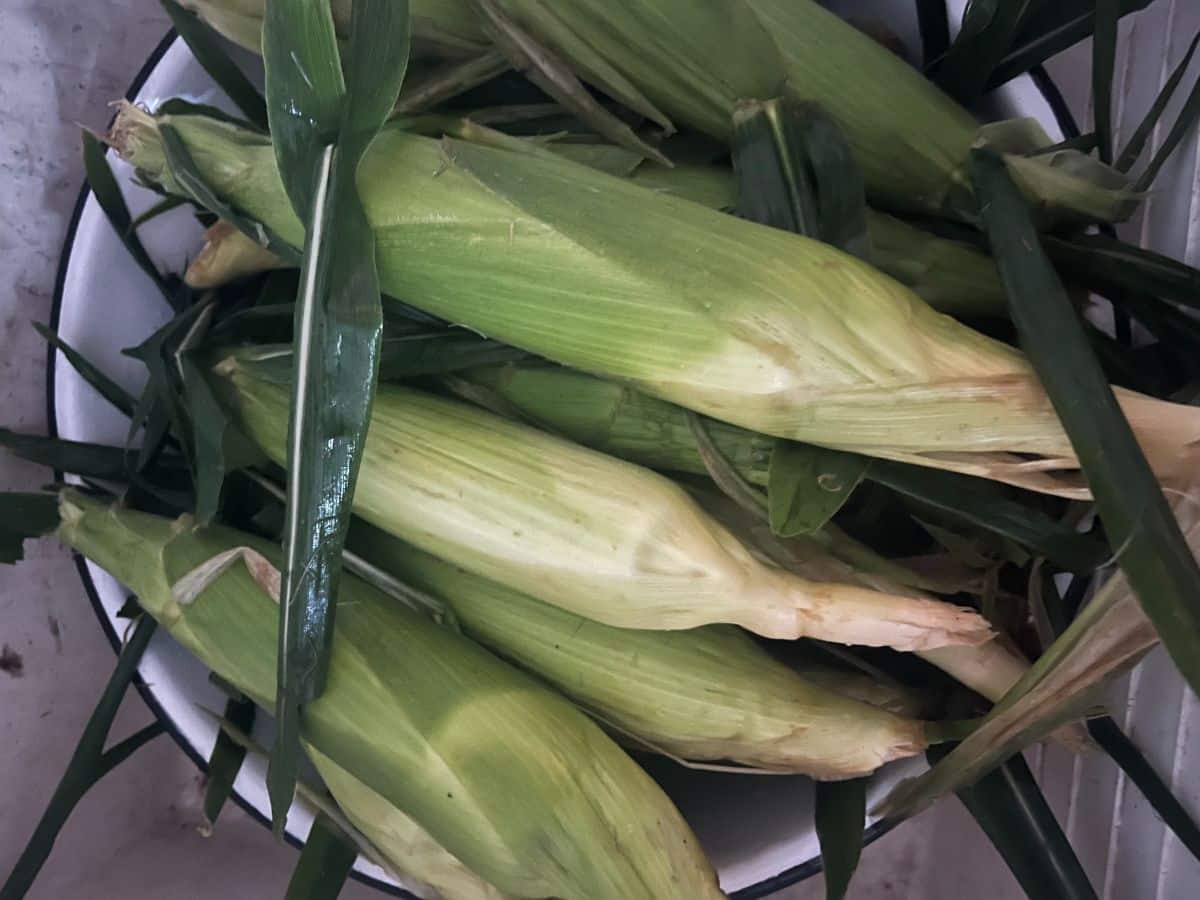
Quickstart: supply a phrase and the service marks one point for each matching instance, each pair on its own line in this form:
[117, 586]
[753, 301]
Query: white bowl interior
[754, 828]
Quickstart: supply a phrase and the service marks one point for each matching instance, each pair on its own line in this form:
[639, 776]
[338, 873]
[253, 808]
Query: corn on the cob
[691, 62]
[708, 693]
[506, 775]
[744, 323]
[606, 539]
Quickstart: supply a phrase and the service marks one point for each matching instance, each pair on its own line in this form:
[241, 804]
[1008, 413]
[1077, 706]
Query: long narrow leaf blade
[1154, 554]
[1125, 753]
[206, 46]
[321, 125]
[1012, 811]
[227, 757]
[324, 863]
[1183, 124]
[1104, 57]
[841, 816]
[108, 194]
[105, 386]
[1110, 267]
[1137, 142]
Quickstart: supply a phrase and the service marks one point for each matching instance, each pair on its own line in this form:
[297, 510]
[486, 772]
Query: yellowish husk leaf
[606, 539]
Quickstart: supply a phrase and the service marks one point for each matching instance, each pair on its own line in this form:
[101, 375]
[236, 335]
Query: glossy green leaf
[1138, 140]
[226, 759]
[807, 485]
[208, 48]
[991, 507]
[89, 763]
[1104, 58]
[108, 194]
[23, 517]
[320, 125]
[105, 386]
[1111, 267]
[325, 862]
[795, 171]
[1012, 811]
[1154, 554]
[841, 816]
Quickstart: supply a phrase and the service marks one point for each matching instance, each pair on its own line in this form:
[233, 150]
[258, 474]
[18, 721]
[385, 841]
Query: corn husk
[440, 28]
[951, 276]
[228, 254]
[746, 324]
[603, 538]
[679, 62]
[709, 693]
[501, 772]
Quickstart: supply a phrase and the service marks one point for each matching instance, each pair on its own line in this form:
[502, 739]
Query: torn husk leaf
[603, 538]
[546, 806]
[1108, 637]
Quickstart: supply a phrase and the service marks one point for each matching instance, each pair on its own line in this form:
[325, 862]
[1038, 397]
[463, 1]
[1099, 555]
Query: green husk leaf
[206, 47]
[807, 485]
[1126, 754]
[841, 815]
[723, 474]
[105, 386]
[1012, 811]
[23, 517]
[108, 194]
[1104, 57]
[187, 176]
[1152, 549]
[89, 763]
[227, 757]
[324, 864]
[553, 75]
[321, 125]
[1138, 140]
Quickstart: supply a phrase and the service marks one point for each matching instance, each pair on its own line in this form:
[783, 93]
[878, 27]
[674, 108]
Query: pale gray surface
[135, 836]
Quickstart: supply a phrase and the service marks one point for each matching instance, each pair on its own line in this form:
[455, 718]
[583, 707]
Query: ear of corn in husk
[501, 772]
[603, 538]
[709, 693]
[951, 276]
[685, 63]
[747, 324]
